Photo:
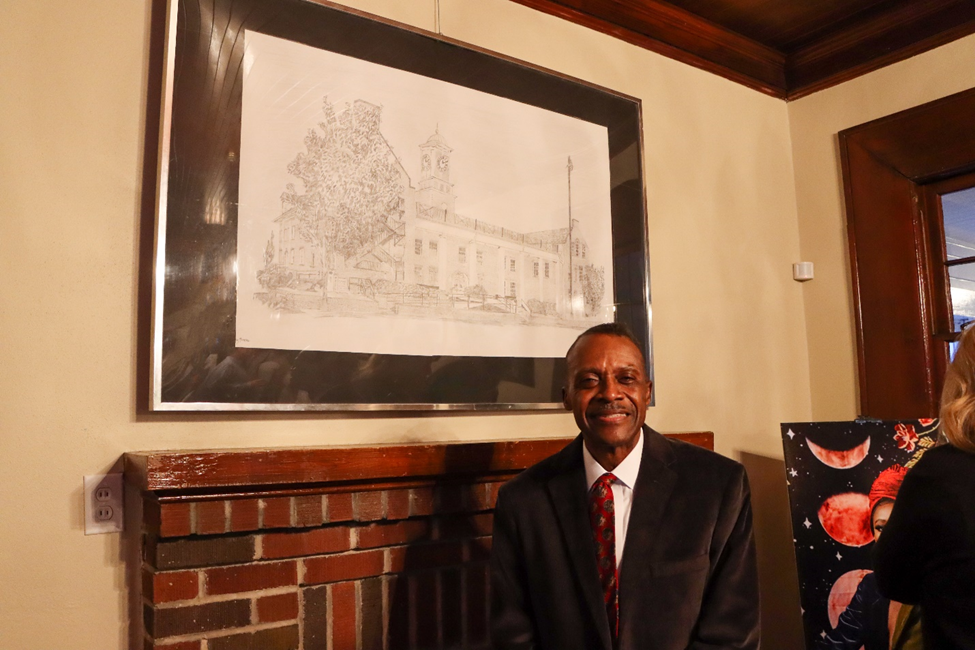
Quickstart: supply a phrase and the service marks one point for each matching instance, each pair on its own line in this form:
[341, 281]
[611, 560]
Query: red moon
[840, 459]
[842, 593]
[846, 518]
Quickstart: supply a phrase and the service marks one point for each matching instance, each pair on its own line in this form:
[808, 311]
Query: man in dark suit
[625, 539]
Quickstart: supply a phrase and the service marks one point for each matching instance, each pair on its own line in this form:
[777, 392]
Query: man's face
[608, 392]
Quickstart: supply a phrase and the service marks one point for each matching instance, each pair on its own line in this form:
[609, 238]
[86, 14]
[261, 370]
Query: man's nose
[611, 390]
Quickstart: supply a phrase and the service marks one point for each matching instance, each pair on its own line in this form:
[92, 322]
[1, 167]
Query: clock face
[442, 163]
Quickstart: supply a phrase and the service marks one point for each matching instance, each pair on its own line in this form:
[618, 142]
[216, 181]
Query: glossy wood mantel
[237, 469]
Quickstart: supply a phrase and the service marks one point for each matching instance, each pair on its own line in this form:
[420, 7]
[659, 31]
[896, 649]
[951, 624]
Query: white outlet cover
[103, 491]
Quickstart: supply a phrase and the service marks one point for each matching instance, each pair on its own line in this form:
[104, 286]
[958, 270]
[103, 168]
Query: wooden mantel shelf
[205, 471]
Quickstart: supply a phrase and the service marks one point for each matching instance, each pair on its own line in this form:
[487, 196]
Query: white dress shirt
[625, 473]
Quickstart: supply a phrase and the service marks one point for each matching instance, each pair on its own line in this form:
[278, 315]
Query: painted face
[608, 392]
[881, 513]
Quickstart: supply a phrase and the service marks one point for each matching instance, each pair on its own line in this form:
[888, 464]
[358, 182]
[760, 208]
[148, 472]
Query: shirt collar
[626, 472]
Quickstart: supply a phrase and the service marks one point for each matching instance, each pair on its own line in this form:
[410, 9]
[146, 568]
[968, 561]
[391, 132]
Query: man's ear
[565, 400]
[649, 390]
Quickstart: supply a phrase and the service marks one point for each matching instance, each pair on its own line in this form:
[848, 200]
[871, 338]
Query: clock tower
[434, 189]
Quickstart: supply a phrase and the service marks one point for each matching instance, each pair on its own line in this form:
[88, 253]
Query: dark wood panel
[214, 469]
[894, 353]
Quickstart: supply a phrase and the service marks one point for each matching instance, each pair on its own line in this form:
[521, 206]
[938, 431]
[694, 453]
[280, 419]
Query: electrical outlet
[103, 504]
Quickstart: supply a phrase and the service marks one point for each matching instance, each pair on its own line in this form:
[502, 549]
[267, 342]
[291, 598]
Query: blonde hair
[958, 396]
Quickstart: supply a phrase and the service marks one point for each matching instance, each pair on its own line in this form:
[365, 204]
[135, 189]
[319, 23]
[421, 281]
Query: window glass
[958, 209]
[962, 280]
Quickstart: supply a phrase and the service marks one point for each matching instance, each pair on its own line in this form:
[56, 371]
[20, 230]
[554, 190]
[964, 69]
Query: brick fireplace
[379, 548]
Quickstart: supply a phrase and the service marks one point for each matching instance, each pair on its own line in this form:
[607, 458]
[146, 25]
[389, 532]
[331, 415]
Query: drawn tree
[593, 287]
[351, 181]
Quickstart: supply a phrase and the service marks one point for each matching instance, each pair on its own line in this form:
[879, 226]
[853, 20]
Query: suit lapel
[568, 492]
[652, 491]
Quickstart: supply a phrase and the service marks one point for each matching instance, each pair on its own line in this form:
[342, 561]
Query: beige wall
[729, 329]
[814, 123]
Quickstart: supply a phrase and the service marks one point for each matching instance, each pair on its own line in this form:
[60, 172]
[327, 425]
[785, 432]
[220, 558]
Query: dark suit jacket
[687, 579]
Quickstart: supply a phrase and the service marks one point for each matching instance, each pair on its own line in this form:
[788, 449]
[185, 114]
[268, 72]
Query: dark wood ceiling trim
[879, 41]
[679, 35]
[848, 51]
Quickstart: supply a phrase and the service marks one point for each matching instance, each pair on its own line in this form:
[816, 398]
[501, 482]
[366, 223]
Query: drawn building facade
[426, 243]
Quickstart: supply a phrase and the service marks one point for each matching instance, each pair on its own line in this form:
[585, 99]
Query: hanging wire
[436, 17]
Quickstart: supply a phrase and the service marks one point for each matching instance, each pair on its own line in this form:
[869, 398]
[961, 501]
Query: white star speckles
[823, 634]
[880, 458]
[807, 523]
[793, 473]
[801, 611]
[791, 434]
[838, 556]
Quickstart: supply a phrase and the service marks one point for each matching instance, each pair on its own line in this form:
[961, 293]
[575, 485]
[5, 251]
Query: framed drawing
[354, 215]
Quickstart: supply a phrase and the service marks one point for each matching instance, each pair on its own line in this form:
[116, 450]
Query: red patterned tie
[602, 516]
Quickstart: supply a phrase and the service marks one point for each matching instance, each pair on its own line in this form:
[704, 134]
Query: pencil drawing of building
[416, 252]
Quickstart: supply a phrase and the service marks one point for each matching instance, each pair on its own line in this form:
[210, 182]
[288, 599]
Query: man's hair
[610, 329]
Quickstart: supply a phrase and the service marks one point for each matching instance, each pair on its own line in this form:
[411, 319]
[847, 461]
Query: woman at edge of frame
[926, 555]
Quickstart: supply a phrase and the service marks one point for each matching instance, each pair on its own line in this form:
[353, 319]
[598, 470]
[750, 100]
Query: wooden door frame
[886, 165]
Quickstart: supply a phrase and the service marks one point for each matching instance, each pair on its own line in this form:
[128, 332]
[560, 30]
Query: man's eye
[588, 381]
[627, 379]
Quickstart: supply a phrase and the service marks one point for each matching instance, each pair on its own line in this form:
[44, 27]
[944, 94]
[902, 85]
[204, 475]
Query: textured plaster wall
[729, 323]
[814, 122]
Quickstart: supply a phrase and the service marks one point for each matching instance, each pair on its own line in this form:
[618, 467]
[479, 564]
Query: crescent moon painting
[840, 459]
[830, 469]
[842, 593]
[845, 518]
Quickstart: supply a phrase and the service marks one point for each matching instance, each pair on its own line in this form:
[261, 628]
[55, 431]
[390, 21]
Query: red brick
[277, 512]
[426, 556]
[282, 607]
[427, 612]
[451, 608]
[481, 498]
[401, 532]
[211, 517]
[451, 498]
[244, 515]
[397, 504]
[493, 493]
[203, 552]
[179, 645]
[314, 542]
[277, 638]
[422, 502]
[465, 527]
[174, 519]
[398, 598]
[251, 577]
[477, 604]
[170, 586]
[371, 614]
[348, 566]
[314, 634]
[343, 616]
[368, 506]
[308, 511]
[340, 507]
[176, 621]
[480, 549]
